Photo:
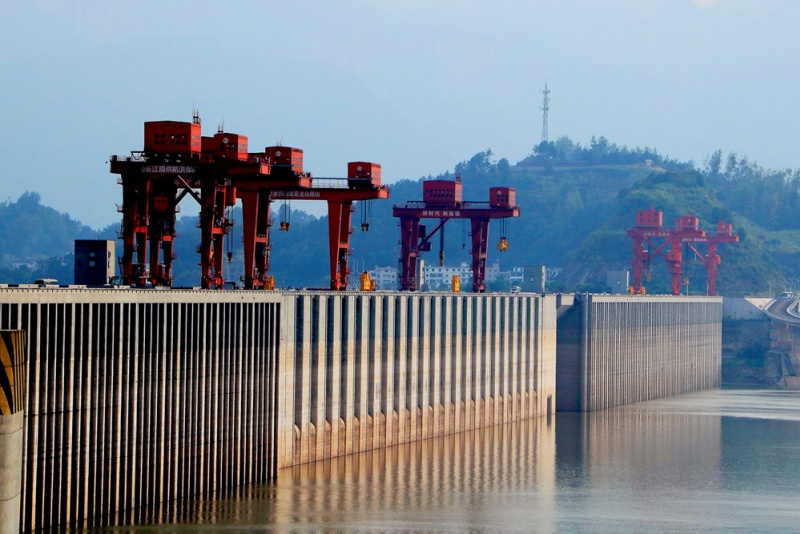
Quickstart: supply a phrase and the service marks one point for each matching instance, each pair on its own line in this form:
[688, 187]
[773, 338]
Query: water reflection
[713, 461]
[460, 480]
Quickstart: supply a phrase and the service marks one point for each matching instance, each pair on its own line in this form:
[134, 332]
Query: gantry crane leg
[212, 229]
[161, 231]
[409, 252]
[134, 229]
[638, 264]
[675, 259]
[256, 225]
[339, 231]
[480, 238]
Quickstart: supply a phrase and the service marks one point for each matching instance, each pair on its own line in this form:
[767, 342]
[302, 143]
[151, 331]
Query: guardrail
[793, 309]
[791, 316]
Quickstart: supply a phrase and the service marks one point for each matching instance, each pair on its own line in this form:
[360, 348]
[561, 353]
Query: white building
[440, 278]
[516, 276]
[617, 282]
[493, 271]
[437, 277]
[385, 278]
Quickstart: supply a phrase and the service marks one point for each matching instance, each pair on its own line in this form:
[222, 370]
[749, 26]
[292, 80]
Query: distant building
[435, 277]
[517, 276]
[30, 265]
[617, 282]
[535, 279]
[94, 261]
[552, 273]
[492, 271]
[442, 277]
[385, 277]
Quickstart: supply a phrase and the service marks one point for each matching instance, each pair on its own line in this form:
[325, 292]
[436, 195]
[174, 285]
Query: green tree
[545, 150]
[714, 164]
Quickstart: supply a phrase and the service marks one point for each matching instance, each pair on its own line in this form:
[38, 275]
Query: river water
[715, 461]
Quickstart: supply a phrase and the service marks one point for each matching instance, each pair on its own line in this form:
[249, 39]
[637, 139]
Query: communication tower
[545, 108]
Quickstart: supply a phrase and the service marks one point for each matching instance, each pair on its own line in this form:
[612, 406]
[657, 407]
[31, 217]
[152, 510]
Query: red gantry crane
[443, 200]
[363, 183]
[178, 161]
[153, 183]
[649, 230]
[285, 171]
[711, 259]
[687, 229]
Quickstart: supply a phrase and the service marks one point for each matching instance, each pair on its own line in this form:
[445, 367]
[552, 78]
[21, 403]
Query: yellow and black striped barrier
[12, 377]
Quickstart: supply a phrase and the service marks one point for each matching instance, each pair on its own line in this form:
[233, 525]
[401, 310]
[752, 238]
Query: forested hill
[36, 240]
[577, 203]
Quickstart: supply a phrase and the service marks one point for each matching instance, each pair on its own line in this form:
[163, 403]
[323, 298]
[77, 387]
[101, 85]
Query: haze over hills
[576, 203]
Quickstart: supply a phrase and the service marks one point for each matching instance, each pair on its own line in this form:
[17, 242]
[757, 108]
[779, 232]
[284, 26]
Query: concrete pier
[615, 350]
[12, 412]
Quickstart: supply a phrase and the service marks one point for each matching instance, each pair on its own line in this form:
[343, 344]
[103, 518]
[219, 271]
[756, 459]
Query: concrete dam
[137, 399]
[616, 350]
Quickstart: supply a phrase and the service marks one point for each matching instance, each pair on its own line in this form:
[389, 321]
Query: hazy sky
[414, 85]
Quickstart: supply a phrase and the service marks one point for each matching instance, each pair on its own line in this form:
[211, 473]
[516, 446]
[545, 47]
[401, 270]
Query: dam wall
[378, 369]
[137, 399]
[616, 350]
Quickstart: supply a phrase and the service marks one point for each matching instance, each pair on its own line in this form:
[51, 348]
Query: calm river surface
[716, 461]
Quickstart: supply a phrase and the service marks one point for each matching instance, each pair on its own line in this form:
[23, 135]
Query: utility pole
[545, 108]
